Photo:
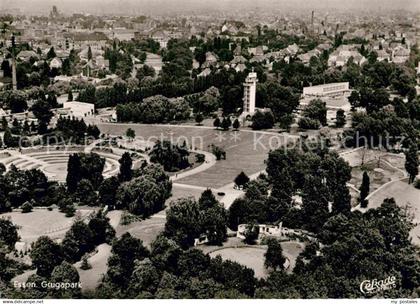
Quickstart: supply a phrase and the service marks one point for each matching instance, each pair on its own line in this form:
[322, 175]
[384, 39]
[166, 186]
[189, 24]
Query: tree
[208, 102]
[309, 123]
[125, 251]
[145, 278]
[216, 123]
[70, 95]
[8, 233]
[236, 124]
[73, 172]
[207, 200]
[51, 53]
[85, 193]
[27, 207]
[262, 120]
[93, 130]
[85, 263]
[141, 196]
[171, 157]
[251, 233]
[4, 123]
[130, 133]
[281, 100]
[241, 180]
[193, 262]
[77, 241]
[65, 273]
[274, 256]
[8, 139]
[69, 210]
[342, 200]
[226, 123]
[45, 255]
[89, 53]
[108, 191]
[126, 164]
[364, 189]
[315, 202]
[219, 152]
[145, 71]
[42, 111]
[412, 162]
[2, 168]
[213, 224]
[15, 100]
[102, 231]
[199, 118]
[340, 119]
[165, 253]
[183, 222]
[316, 110]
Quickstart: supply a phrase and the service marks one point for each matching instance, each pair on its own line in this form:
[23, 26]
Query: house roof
[81, 36]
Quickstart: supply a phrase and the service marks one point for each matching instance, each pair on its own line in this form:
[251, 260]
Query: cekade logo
[374, 286]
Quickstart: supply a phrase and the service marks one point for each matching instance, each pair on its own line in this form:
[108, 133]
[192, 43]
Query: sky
[164, 6]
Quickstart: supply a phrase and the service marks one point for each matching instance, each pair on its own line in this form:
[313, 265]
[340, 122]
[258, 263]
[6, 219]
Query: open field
[405, 195]
[99, 261]
[42, 222]
[245, 152]
[253, 256]
[146, 230]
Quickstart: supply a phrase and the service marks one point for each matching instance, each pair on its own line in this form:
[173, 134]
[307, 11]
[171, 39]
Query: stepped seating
[53, 162]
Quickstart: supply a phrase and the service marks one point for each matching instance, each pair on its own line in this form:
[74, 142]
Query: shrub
[85, 264]
[27, 207]
[200, 158]
[70, 210]
[309, 124]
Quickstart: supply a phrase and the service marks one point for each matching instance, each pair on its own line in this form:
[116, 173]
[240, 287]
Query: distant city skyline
[178, 6]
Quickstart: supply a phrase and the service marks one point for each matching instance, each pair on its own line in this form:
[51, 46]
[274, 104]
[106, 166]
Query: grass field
[246, 152]
[42, 222]
[253, 256]
[405, 195]
[99, 261]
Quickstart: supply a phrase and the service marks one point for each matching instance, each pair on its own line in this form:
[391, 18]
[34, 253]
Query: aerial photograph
[209, 150]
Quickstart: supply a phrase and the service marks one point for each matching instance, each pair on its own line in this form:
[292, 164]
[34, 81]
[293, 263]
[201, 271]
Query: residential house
[80, 40]
[383, 55]
[340, 57]
[56, 63]
[26, 55]
[400, 54]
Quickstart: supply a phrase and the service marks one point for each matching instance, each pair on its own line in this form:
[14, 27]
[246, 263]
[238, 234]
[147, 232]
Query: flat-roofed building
[79, 109]
[330, 89]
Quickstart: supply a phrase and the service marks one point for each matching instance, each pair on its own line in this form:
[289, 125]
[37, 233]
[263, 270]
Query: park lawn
[180, 192]
[405, 195]
[253, 256]
[246, 152]
[91, 278]
[41, 222]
